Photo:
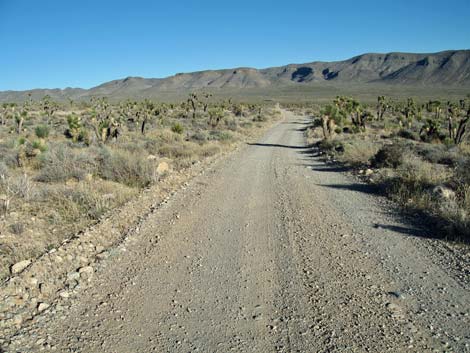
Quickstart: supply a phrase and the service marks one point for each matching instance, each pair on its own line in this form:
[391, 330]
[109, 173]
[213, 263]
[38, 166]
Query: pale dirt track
[269, 251]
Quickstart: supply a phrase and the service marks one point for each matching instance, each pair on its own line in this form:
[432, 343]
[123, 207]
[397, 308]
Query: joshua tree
[434, 107]
[49, 107]
[409, 111]
[382, 106]
[193, 100]
[459, 111]
[215, 115]
[104, 122]
[205, 101]
[330, 115]
[129, 111]
[22, 115]
[237, 110]
[147, 112]
[75, 130]
[352, 108]
[19, 120]
[6, 112]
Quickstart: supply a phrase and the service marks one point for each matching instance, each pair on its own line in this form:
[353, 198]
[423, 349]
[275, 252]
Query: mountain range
[449, 69]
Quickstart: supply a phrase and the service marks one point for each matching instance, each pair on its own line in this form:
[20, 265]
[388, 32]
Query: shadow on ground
[276, 145]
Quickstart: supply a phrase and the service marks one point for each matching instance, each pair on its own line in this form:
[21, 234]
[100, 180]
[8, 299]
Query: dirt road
[269, 251]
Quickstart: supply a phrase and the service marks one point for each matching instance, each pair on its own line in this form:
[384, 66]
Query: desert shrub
[38, 145]
[220, 135]
[177, 151]
[177, 128]
[200, 136]
[209, 150]
[17, 228]
[127, 168]
[21, 187]
[42, 131]
[358, 152]
[440, 154]
[331, 146]
[8, 155]
[260, 118]
[231, 124]
[456, 214]
[61, 163]
[167, 136]
[408, 134]
[4, 171]
[389, 156]
[462, 171]
[416, 170]
[135, 146]
[84, 201]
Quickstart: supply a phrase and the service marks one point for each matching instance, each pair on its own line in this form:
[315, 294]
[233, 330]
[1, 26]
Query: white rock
[443, 192]
[87, 270]
[20, 266]
[73, 276]
[64, 294]
[43, 306]
[163, 167]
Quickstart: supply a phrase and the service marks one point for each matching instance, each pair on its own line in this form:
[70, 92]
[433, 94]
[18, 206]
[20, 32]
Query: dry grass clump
[131, 169]
[358, 152]
[62, 162]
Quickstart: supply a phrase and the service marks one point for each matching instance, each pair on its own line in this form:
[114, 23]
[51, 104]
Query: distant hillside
[444, 69]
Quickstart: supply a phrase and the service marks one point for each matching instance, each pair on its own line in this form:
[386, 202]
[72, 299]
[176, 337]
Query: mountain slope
[446, 69]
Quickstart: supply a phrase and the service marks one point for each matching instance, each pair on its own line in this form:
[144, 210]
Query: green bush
[42, 131]
[38, 145]
[177, 128]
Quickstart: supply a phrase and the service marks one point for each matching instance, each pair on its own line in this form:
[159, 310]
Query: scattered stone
[162, 168]
[443, 192]
[102, 255]
[393, 307]
[45, 289]
[20, 266]
[18, 320]
[86, 269]
[43, 306]
[397, 295]
[86, 272]
[73, 276]
[368, 172]
[33, 281]
[40, 341]
[64, 294]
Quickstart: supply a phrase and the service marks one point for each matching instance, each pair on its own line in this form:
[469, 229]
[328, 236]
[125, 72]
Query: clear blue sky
[82, 43]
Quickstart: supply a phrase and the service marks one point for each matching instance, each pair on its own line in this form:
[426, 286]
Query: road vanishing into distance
[270, 250]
